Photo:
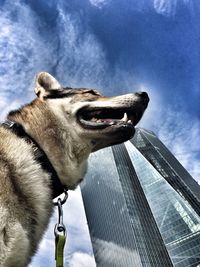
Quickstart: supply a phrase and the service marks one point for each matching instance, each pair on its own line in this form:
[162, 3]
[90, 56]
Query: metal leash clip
[60, 233]
[60, 227]
[55, 202]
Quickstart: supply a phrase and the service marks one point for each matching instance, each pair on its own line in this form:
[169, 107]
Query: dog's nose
[144, 96]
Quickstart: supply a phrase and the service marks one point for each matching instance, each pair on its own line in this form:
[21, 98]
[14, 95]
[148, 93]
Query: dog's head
[101, 121]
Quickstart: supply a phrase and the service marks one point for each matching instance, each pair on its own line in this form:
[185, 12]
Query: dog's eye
[93, 92]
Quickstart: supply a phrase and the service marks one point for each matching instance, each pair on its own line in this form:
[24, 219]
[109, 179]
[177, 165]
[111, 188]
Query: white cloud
[22, 54]
[81, 57]
[165, 7]
[169, 7]
[6, 105]
[46, 253]
[21, 48]
[99, 3]
[82, 260]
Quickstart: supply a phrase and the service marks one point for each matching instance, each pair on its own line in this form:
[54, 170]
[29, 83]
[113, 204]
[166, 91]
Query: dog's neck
[39, 155]
[65, 152]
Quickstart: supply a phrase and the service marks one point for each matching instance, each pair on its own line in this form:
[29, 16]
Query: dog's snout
[144, 96]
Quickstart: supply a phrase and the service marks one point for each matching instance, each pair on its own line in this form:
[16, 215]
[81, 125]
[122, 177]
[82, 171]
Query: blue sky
[117, 47]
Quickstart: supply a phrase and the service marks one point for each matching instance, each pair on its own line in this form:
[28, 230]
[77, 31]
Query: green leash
[60, 233]
[59, 252]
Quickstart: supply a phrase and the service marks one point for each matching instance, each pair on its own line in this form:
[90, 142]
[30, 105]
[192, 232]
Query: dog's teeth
[125, 118]
[96, 120]
[129, 121]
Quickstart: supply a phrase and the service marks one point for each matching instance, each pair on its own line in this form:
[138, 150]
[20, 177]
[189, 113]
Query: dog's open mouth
[103, 118]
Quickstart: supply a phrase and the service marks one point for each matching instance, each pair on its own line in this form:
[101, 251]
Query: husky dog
[53, 136]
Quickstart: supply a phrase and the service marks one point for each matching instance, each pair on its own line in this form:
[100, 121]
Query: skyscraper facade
[142, 206]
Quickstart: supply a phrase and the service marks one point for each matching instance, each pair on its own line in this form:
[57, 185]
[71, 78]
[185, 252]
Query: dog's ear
[46, 85]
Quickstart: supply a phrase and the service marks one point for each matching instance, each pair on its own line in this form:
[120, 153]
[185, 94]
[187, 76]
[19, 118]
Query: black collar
[40, 156]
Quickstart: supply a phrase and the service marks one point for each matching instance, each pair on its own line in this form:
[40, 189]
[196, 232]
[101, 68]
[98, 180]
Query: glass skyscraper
[142, 206]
